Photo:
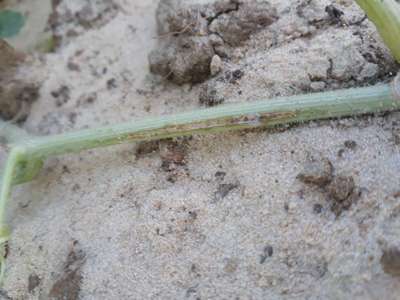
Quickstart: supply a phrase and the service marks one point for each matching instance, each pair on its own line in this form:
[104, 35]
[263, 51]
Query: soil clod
[341, 188]
[390, 261]
[318, 172]
[193, 37]
[343, 193]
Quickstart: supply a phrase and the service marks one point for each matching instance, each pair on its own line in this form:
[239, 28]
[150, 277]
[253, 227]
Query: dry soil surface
[304, 212]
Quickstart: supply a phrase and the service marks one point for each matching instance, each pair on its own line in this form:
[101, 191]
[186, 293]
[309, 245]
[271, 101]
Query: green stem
[267, 113]
[386, 16]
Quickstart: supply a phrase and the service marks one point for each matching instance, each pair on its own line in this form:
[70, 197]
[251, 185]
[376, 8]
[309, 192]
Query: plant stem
[267, 113]
[386, 16]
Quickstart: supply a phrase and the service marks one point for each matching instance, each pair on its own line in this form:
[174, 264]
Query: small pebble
[216, 65]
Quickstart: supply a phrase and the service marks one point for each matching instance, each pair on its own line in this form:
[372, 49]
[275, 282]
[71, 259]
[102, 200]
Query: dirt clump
[33, 282]
[340, 190]
[390, 261]
[190, 35]
[343, 193]
[317, 171]
[146, 148]
[68, 285]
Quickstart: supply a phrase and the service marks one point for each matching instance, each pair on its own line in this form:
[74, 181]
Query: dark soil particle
[317, 208]
[112, 84]
[352, 145]
[223, 191]
[268, 252]
[62, 95]
[390, 261]
[220, 175]
[334, 13]
[73, 67]
[33, 282]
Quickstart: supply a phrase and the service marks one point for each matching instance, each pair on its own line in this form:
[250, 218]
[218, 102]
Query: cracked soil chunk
[190, 35]
[236, 26]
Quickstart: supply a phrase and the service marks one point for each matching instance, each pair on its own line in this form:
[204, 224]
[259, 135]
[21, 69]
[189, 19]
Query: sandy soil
[232, 221]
